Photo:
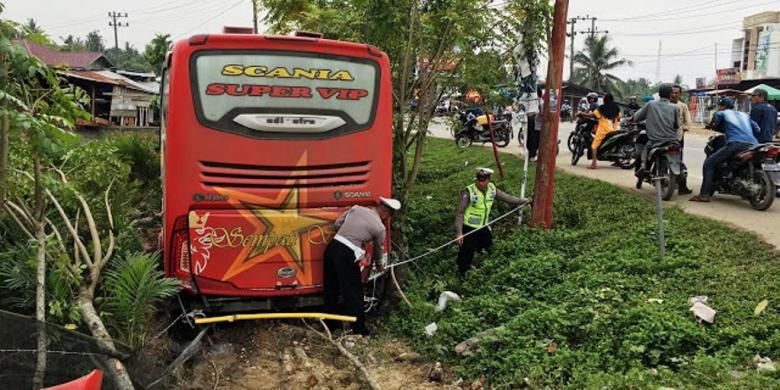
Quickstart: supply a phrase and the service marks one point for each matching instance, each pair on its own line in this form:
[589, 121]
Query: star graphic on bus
[285, 222]
[281, 228]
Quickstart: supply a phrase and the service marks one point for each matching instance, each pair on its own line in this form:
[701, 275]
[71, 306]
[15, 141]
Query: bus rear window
[281, 94]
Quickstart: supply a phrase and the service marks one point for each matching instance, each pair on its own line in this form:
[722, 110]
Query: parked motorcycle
[753, 174]
[618, 147]
[664, 165]
[475, 128]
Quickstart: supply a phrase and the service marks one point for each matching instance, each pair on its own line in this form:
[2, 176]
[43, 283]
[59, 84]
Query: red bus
[265, 141]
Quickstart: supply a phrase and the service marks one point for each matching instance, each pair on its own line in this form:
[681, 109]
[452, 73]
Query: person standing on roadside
[764, 115]
[473, 213]
[683, 125]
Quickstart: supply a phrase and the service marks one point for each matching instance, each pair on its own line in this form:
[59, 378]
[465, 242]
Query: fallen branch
[352, 358]
[398, 287]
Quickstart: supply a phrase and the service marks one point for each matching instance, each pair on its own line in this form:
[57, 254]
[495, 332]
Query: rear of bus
[265, 141]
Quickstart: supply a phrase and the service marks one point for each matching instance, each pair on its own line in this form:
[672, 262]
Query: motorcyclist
[661, 118]
[590, 104]
[739, 130]
[632, 106]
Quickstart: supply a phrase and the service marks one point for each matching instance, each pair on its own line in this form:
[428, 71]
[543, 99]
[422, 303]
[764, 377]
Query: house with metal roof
[116, 98]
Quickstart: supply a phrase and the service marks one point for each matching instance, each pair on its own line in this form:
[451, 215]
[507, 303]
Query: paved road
[724, 208]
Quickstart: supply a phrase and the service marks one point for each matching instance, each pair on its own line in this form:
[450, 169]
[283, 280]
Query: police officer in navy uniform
[473, 213]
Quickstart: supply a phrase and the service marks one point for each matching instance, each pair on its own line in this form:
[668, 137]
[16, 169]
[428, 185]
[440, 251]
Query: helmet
[593, 95]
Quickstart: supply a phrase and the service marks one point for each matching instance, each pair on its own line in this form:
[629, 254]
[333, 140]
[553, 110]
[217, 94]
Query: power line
[663, 13]
[676, 33]
[236, 4]
[689, 16]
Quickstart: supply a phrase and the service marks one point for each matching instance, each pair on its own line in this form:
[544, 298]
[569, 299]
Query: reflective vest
[478, 210]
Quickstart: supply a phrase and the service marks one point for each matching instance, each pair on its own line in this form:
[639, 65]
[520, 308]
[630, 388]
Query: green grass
[585, 286]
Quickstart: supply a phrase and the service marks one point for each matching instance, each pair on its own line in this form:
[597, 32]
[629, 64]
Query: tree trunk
[40, 277]
[98, 330]
[4, 146]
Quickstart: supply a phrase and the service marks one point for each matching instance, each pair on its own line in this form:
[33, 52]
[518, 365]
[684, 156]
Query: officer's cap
[392, 204]
[484, 172]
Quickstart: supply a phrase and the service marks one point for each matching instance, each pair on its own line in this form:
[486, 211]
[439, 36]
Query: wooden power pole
[254, 15]
[545, 170]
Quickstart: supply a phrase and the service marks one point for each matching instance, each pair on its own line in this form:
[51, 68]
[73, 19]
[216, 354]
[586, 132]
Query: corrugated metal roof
[111, 78]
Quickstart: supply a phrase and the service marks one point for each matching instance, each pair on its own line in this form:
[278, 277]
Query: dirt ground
[275, 355]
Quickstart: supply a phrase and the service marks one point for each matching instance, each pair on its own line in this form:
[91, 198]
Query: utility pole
[592, 32]
[545, 172]
[114, 15]
[572, 34]
[254, 15]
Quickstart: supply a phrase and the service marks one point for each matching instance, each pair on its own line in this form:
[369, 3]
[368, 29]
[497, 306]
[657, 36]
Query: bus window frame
[226, 124]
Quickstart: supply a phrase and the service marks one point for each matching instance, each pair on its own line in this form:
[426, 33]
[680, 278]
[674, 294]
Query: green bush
[595, 286]
[133, 288]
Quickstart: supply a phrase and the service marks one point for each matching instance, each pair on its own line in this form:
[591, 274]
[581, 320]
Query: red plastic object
[91, 381]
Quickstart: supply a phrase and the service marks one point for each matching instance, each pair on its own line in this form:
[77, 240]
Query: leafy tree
[128, 59]
[156, 50]
[36, 109]
[94, 42]
[635, 87]
[71, 43]
[427, 42]
[593, 63]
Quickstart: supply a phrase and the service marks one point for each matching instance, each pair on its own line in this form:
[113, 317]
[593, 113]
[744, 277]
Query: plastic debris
[700, 310]
[445, 298]
[698, 298]
[761, 307]
[431, 329]
[764, 363]
[655, 300]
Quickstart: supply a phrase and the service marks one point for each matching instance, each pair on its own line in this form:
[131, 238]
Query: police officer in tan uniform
[356, 227]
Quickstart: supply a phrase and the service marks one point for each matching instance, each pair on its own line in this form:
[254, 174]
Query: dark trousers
[482, 239]
[682, 180]
[712, 163]
[533, 137]
[342, 276]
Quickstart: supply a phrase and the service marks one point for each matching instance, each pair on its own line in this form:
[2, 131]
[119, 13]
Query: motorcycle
[618, 146]
[664, 165]
[753, 174]
[583, 127]
[474, 128]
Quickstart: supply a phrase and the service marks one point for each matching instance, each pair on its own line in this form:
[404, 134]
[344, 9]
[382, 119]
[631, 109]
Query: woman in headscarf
[608, 115]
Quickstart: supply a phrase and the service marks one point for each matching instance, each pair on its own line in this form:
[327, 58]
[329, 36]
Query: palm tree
[157, 49]
[32, 27]
[593, 63]
[33, 32]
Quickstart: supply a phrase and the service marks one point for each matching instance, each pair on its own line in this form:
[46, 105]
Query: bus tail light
[180, 247]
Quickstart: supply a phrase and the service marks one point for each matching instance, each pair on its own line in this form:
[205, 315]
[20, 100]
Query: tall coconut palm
[593, 63]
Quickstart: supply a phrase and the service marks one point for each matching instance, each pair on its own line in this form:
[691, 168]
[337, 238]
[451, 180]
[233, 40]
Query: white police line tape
[442, 246]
